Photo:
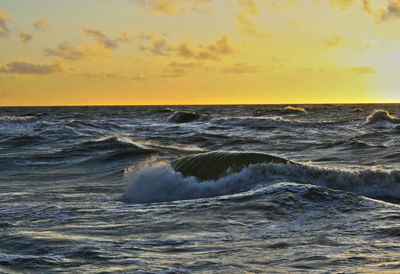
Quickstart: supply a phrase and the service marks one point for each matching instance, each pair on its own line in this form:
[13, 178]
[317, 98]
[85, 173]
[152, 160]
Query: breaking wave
[159, 182]
[380, 115]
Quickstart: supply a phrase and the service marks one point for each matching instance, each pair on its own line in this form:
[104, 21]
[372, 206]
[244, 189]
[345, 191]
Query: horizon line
[161, 105]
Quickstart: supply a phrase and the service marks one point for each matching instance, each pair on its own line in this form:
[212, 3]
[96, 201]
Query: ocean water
[182, 189]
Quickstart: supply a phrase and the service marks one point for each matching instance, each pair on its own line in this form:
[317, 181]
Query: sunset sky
[128, 52]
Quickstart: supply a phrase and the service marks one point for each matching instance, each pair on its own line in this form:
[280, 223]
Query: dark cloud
[25, 67]
[100, 38]
[69, 52]
[391, 11]
[156, 44]
[214, 50]
[25, 36]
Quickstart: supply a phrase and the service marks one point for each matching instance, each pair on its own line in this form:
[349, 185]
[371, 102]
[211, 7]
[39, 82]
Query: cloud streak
[241, 68]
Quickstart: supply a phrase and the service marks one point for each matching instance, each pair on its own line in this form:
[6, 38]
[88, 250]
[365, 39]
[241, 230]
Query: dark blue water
[98, 189]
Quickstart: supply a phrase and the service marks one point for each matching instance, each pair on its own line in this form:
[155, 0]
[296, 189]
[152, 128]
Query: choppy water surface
[224, 189]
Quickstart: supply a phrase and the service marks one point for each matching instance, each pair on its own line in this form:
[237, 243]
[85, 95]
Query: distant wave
[112, 142]
[15, 118]
[292, 109]
[270, 122]
[185, 117]
[380, 115]
[160, 182]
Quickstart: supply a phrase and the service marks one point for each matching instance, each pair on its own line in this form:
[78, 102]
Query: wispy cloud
[41, 24]
[247, 26]
[354, 43]
[334, 41]
[125, 37]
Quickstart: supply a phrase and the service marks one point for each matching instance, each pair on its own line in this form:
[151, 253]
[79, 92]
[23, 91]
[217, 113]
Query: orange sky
[127, 52]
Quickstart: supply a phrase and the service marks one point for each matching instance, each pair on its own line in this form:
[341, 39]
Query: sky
[163, 52]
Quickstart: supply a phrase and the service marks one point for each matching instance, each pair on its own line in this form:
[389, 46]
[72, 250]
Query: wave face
[140, 189]
[184, 117]
[213, 165]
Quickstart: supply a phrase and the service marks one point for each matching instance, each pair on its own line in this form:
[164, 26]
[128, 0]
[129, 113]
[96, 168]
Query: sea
[208, 189]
